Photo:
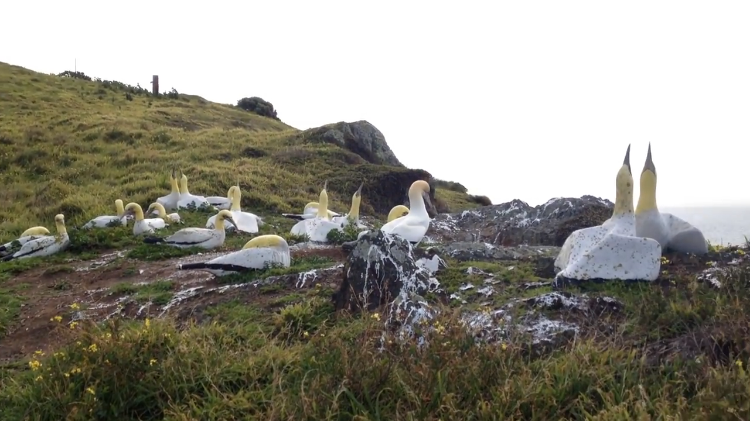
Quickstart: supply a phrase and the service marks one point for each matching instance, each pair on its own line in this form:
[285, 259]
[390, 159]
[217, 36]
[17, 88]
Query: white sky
[527, 99]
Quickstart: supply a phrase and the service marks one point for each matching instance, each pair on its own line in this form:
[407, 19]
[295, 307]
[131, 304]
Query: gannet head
[269, 240]
[183, 183]
[35, 231]
[647, 198]
[323, 202]
[223, 215]
[235, 196]
[133, 208]
[419, 189]
[60, 224]
[624, 188]
[356, 200]
[397, 212]
[173, 182]
[158, 209]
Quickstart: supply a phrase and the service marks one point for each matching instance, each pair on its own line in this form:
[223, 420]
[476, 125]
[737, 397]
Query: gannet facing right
[672, 232]
[414, 225]
[186, 199]
[197, 237]
[170, 201]
[46, 245]
[255, 255]
[143, 225]
[109, 220]
[353, 216]
[397, 212]
[28, 235]
[158, 209]
[611, 250]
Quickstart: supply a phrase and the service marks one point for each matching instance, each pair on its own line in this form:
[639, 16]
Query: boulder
[360, 137]
[515, 222]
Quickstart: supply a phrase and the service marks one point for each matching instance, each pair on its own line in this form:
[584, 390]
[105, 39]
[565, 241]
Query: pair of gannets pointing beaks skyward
[611, 250]
[257, 254]
[671, 232]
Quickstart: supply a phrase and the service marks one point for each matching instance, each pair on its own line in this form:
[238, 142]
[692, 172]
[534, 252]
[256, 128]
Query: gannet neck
[60, 224]
[174, 184]
[236, 198]
[397, 212]
[266, 241]
[354, 210]
[624, 192]
[323, 204]
[136, 208]
[220, 217]
[416, 198]
[647, 198]
[160, 210]
[35, 231]
[120, 207]
[183, 185]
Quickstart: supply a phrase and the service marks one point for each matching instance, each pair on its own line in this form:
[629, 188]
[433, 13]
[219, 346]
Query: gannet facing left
[353, 216]
[220, 202]
[158, 209]
[46, 245]
[197, 237]
[611, 250]
[414, 225]
[672, 232]
[109, 220]
[186, 199]
[255, 255]
[143, 225]
[317, 228]
[28, 235]
[170, 201]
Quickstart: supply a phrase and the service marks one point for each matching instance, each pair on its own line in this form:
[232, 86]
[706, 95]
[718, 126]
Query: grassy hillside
[73, 146]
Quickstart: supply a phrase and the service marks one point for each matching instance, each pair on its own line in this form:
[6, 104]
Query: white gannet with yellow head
[211, 222]
[157, 209]
[317, 228]
[257, 254]
[245, 221]
[309, 212]
[397, 212]
[611, 250]
[109, 220]
[28, 235]
[672, 232]
[44, 245]
[197, 237]
[170, 201]
[143, 225]
[186, 199]
[353, 216]
[220, 202]
[414, 225]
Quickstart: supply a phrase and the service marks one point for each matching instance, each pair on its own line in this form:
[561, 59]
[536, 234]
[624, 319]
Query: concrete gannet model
[28, 235]
[158, 209]
[672, 232]
[108, 220]
[317, 228]
[611, 250]
[257, 254]
[197, 237]
[170, 201]
[353, 216]
[186, 199]
[414, 225]
[397, 212]
[220, 202]
[143, 225]
[46, 245]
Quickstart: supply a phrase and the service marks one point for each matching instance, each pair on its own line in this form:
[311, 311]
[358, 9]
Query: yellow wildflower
[738, 363]
[375, 316]
[147, 323]
[39, 352]
[73, 325]
[91, 390]
[67, 374]
[504, 347]
[152, 362]
[75, 370]
[57, 319]
[35, 365]
[38, 378]
[75, 306]
[305, 334]
[93, 348]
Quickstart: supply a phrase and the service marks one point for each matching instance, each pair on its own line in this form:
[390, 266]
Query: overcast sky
[528, 99]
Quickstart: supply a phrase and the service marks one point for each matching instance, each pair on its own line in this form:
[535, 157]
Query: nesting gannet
[28, 235]
[245, 221]
[109, 220]
[310, 212]
[143, 225]
[45, 245]
[317, 228]
[158, 209]
[170, 201]
[397, 212]
[353, 216]
[672, 232]
[414, 225]
[197, 237]
[611, 250]
[257, 254]
[221, 202]
[187, 199]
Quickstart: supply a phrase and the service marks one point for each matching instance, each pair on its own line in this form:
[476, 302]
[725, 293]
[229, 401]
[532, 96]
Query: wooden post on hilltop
[155, 83]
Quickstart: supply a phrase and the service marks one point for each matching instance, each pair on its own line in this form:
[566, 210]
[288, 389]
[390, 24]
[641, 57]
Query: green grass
[73, 146]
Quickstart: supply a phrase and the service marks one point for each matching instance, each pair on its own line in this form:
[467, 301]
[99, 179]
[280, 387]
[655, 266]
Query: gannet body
[672, 232]
[414, 225]
[109, 220]
[317, 228]
[611, 250]
[44, 245]
[188, 200]
[257, 254]
[143, 225]
[353, 216]
[197, 237]
[28, 235]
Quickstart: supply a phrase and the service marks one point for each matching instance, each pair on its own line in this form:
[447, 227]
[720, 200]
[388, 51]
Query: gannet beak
[428, 204]
[627, 159]
[649, 163]
[359, 190]
[173, 173]
[230, 219]
[325, 185]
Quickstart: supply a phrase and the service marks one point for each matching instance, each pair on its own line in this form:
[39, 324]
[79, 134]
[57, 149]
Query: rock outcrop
[360, 137]
[515, 222]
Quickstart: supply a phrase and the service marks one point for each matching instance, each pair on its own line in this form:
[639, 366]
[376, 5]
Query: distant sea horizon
[720, 225]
